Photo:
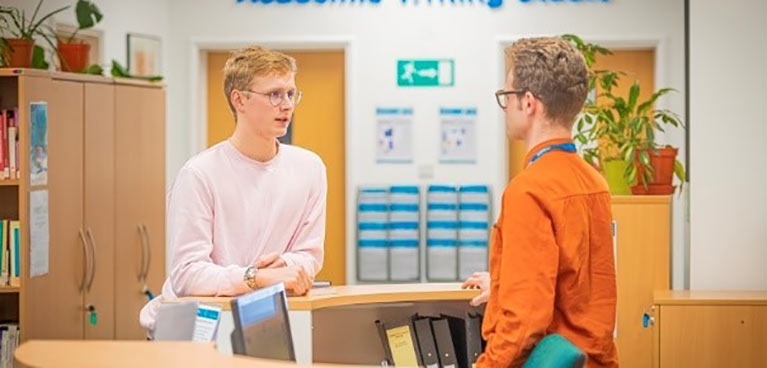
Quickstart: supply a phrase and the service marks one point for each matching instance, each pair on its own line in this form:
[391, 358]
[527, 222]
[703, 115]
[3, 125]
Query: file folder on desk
[426, 342]
[400, 343]
[467, 337]
[444, 342]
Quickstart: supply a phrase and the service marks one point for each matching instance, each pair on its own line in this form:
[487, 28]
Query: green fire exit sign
[426, 73]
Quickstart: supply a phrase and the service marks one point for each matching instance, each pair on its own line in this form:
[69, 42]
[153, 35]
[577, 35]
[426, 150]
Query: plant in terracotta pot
[629, 127]
[618, 133]
[18, 36]
[73, 53]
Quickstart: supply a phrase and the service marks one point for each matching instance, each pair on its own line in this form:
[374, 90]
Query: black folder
[384, 342]
[445, 348]
[465, 328]
[476, 346]
[426, 342]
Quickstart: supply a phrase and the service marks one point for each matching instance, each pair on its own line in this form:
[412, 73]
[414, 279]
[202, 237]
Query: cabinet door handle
[93, 253]
[148, 251]
[87, 265]
[141, 275]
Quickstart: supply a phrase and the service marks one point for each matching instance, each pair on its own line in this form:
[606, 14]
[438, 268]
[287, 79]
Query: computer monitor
[261, 324]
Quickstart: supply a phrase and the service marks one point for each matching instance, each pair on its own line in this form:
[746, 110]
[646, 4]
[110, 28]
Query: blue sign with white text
[493, 4]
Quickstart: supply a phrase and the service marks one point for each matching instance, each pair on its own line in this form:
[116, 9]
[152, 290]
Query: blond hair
[554, 71]
[254, 61]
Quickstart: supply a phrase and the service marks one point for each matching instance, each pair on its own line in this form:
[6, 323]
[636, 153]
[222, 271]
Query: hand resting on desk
[272, 270]
[481, 281]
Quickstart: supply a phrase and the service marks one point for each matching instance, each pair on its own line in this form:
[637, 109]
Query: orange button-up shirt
[551, 263]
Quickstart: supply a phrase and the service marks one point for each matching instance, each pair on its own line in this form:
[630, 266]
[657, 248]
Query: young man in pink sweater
[248, 212]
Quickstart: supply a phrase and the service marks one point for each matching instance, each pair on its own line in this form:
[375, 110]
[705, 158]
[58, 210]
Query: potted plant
[18, 36]
[73, 54]
[618, 133]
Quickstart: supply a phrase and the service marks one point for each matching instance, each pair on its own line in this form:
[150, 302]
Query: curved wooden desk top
[119, 354]
[709, 297]
[337, 296]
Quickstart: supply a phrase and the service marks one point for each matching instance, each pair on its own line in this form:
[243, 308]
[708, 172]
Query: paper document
[206, 325]
[402, 348]
[39, 233]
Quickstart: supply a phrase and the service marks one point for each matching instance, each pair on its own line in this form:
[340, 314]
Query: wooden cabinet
[643, 227]
[76, 298]
[140, 203]
[710, 329]
[106, 204]
[52, 303]
[99, 204]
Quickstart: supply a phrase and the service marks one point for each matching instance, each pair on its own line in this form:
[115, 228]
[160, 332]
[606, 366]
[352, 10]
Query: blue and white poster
[38, 144]
[394, 135]
[458, 135]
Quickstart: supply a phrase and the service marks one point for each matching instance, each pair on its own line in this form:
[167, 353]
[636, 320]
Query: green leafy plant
[629, 126]
[94, 69]
[120, 71]
[38, 58]
[15, 24]
[87, 14]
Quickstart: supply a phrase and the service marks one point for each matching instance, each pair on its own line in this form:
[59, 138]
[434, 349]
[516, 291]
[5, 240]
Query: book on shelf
[9, 340]
[9, 144]
[10, 252]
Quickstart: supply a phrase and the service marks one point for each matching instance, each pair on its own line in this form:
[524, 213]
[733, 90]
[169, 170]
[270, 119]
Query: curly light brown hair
[254, 61]
[554, 71]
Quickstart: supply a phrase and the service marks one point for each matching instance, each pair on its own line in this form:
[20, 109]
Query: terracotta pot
[662, 162]
[661, 189]
[19, 52]
[74, 56]
[652, 189]
[639, 190]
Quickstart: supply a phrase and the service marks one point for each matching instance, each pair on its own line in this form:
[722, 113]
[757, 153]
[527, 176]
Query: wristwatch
[250, 277]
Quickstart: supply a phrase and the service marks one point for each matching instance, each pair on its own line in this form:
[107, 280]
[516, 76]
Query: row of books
[9, 144]
[449, 340]
[9, 340]
[10, 252]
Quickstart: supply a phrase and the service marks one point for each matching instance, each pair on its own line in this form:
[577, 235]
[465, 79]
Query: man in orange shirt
[551, 259]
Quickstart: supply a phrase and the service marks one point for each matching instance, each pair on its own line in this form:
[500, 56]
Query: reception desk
[118, 354]
[336, 324]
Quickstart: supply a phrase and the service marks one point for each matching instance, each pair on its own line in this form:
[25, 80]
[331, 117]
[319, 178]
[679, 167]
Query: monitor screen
[261, 325]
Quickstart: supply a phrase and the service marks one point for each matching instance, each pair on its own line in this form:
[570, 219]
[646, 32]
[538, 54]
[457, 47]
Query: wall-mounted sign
[425, 73]
[458, 135]
[394, 135]
[492, 4]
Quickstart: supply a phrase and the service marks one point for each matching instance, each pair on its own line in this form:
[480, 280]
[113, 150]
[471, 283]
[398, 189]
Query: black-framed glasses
[277, 98]
[501, 96]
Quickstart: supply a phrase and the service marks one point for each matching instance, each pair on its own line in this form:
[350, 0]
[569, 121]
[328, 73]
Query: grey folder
[175, 322]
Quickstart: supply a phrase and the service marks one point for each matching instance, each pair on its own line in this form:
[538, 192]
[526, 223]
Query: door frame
[198, 109]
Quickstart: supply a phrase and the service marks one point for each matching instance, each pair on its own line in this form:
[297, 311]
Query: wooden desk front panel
[703, 336]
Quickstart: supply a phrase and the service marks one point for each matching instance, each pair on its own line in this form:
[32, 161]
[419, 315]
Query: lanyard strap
[567, 147]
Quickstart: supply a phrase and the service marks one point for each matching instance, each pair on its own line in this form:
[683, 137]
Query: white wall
[382, 33]
[728, 130]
